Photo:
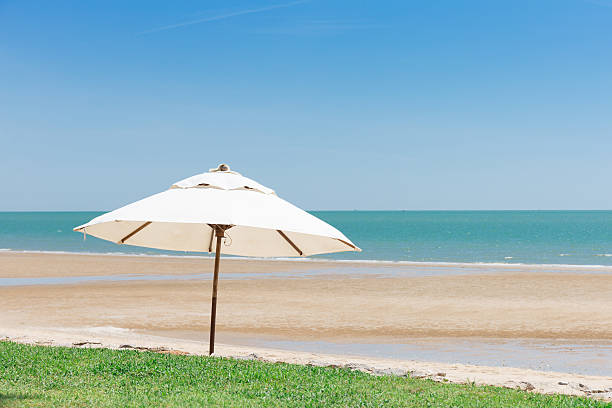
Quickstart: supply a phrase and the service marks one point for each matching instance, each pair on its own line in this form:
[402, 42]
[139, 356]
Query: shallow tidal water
[568, 356]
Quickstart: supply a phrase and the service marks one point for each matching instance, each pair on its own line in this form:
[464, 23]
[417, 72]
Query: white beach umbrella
[221, 204]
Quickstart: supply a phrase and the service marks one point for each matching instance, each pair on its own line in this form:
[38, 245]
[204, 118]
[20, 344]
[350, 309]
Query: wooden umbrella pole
[213, 313]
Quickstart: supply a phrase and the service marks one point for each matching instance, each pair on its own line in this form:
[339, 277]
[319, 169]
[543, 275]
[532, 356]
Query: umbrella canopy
[225, 205]
[183, 219]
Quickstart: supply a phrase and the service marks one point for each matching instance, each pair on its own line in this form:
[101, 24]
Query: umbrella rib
[344, 242]
[136, 231]
[282, 234]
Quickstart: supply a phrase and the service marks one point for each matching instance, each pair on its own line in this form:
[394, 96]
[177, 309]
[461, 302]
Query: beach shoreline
[320, 260]
[165, 303]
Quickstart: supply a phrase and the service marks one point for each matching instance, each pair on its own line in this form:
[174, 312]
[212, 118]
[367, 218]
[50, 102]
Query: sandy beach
[165, 301]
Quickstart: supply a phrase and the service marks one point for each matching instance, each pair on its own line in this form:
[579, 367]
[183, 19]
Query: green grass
[37, 376]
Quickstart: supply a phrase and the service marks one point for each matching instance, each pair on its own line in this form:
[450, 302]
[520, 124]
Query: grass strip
[41, 376]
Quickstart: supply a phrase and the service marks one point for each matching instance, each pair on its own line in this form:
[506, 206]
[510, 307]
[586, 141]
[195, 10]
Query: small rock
[251, 356]
[524, 385]
[84, 343]
[563, 383]
[602, 396]
[441, 374]
[398, 372]
[358, 367]
[578, 386]
[142, 348]
[419, 374]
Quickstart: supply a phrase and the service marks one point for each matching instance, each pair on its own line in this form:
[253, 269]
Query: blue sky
[334, 104]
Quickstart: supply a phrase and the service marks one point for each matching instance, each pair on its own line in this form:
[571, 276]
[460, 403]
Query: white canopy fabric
[184, 217]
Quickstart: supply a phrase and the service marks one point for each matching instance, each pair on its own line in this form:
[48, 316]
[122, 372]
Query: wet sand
[297, 301]
[326, 307]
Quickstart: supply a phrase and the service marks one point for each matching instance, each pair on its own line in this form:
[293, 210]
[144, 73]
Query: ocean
[525, 237]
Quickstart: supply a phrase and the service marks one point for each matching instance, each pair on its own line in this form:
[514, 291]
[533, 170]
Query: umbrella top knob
[224, 179]
[222, 167]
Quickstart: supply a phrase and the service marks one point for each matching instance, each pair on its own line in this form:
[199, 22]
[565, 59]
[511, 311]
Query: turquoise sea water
[529, 237]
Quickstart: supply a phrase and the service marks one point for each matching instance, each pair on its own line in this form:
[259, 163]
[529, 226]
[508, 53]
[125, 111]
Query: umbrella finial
[222, 167]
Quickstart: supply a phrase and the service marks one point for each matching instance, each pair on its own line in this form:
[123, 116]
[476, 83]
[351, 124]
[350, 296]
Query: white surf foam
[339, 261]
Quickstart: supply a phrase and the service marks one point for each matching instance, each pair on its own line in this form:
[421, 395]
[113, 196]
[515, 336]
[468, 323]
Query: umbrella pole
[213, 312]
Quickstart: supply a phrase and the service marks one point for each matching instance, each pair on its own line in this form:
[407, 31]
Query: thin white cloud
[225, 16]
[317, 27]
